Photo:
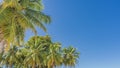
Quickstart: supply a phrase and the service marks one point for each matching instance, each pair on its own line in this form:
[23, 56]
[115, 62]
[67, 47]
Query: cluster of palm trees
[17, 16]
[39, 52]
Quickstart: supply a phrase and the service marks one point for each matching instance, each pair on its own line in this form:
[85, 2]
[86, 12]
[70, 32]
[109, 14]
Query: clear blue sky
[92, 26]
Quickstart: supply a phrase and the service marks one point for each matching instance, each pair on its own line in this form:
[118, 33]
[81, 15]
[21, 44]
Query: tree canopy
[40, 52]
[17, 16]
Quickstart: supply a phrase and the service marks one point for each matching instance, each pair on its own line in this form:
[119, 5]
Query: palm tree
[70, 56]
[54, 55]
[35, 48]
[39, 52]
[18, 16]
[20, 54]
[10, 57]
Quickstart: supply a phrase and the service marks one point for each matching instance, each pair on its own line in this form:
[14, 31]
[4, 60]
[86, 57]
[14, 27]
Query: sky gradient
[92, 26]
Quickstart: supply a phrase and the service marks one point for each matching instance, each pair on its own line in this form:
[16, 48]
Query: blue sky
[92, 26]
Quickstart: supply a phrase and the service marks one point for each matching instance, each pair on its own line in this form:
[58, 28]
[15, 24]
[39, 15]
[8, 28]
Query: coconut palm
[20, 54]
[35, 52]
[43, 53]
[70, 56]
[40, 52]
[10, 58]
[54, 55]
[16, 16]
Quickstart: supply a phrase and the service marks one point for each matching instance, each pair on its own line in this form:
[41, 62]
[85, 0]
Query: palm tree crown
[16, 16]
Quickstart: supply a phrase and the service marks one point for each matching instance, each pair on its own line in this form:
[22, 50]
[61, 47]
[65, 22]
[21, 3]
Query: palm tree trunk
[52, 65]
[2, 45]
[2, 42]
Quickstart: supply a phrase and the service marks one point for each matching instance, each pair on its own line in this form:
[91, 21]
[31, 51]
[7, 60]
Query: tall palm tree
[16, 16]
[70, 56]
